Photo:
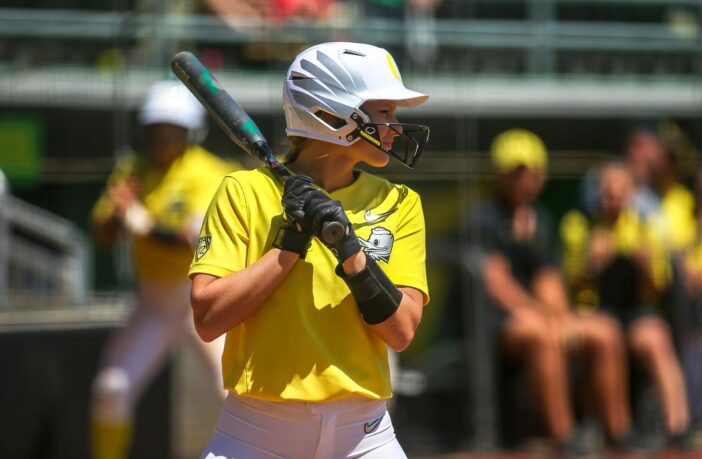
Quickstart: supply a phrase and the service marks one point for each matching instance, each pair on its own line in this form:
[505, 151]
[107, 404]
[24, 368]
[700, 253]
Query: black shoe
[584, 442]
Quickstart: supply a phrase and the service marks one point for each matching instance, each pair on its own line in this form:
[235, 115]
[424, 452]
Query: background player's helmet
[172, 103]
[326, 86]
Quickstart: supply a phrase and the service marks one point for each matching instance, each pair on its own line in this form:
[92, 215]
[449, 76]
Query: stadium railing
[44, 259]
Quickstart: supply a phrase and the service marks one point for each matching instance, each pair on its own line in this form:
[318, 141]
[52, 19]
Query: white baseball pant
[354, 427]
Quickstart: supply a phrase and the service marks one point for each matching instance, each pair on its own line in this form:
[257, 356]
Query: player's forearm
[398, 330]
[509, 295]
[502, 288]
[220, 304]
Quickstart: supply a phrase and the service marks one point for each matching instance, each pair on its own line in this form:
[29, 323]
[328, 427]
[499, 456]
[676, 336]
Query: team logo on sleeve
[203, 245]
[379, 244]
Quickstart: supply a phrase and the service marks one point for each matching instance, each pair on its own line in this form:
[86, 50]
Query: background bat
[235, 121]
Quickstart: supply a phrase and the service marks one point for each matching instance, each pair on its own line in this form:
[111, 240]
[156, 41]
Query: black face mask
[407, 146]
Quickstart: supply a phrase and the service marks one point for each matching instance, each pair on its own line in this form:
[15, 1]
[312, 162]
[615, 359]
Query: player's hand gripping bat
[236, 122]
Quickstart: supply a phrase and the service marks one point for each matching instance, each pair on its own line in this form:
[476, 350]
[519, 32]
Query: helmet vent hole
[332, 120]
[354, 53]
[298, 76]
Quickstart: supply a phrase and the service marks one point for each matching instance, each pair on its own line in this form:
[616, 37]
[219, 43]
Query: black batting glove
[293, 235]
[308, 206]
[293, 239]
[295, 193]
[322, 209]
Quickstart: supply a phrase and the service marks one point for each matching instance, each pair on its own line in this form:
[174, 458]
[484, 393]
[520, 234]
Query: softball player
[308, 323]
[157, 199]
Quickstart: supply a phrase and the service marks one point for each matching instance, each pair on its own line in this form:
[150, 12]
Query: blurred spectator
[157, 198]
[644, 153]
[659, 198]
[534, 321]
[617, 262]
[234, 12]
[256, 16]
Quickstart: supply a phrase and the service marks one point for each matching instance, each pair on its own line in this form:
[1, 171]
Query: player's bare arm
[220, 304]
[503, 288]
[397, 330]
[120, 196]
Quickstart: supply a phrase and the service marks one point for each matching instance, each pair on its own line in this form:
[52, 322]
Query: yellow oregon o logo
[393, 68]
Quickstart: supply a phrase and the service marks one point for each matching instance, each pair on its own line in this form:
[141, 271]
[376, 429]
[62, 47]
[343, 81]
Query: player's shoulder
[575, 217]
[681, 196]
[252, 178]
[383, 187]
[574, 228]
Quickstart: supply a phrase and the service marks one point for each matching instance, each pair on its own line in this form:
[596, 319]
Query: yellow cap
[518, 147]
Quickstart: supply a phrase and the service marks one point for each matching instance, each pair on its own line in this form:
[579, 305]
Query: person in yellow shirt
[660, 199]
[617, 262]
[156, 198]
[308, 321]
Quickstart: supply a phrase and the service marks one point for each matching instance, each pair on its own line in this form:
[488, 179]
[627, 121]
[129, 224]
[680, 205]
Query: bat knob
[333, 232]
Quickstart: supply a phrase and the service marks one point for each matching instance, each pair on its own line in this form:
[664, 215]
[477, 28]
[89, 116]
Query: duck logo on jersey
[203, 245]
[379, 244]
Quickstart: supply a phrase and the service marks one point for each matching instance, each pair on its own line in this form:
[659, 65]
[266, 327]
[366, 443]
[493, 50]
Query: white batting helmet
[336, 79]
[172, 103]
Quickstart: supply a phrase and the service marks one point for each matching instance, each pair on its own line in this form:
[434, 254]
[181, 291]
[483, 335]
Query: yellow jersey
[308, 341]
[173, 197]
[678, 215]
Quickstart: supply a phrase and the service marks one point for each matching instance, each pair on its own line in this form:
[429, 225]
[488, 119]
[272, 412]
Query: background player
[157, 198]
[308, 326]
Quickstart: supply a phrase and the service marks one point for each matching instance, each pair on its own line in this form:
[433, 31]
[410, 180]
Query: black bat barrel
[220, 105]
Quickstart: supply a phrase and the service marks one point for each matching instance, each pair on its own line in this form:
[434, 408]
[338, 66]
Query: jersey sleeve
[407, 265]
[224, 236]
